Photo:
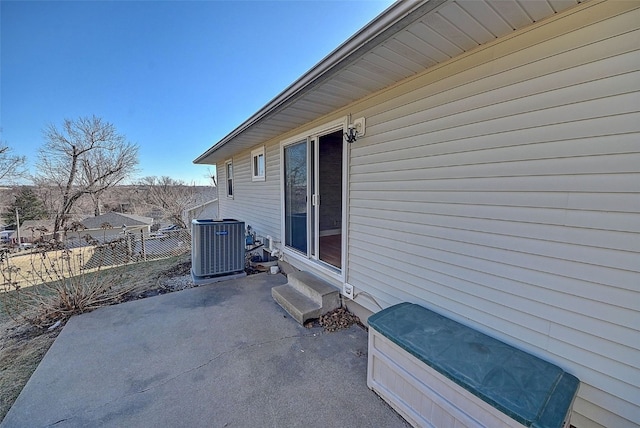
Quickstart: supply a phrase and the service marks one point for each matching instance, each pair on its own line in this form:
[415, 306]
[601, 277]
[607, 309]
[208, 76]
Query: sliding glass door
[313, 192]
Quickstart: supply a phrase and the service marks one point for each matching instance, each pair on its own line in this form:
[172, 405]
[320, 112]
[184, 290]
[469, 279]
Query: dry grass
[22, 346]
[30, 267]
[21, 350]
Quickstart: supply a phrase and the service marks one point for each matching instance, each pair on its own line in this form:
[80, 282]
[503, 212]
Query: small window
[257, 164]
[229, 170]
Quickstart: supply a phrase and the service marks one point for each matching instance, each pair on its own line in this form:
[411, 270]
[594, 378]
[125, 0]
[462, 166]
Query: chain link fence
[140, 247]
[80, 252]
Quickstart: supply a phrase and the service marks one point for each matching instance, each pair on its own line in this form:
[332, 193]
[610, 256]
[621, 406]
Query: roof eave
[400, 11]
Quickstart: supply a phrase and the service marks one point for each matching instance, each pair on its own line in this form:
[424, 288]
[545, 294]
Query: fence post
[128, 237]
[144, 251]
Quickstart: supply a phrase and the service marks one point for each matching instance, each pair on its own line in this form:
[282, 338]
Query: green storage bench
[437, 372]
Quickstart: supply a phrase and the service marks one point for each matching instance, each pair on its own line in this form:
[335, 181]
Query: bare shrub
[54, 283]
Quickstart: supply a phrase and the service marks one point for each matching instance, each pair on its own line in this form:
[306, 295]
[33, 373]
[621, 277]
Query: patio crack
[59, 422]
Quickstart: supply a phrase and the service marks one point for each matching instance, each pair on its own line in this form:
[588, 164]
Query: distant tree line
[80, 169]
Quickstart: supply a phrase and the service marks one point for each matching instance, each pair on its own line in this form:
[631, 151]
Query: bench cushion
[528, 389]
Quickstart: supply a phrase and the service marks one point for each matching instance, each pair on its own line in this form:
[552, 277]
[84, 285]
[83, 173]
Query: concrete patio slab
[222, 355]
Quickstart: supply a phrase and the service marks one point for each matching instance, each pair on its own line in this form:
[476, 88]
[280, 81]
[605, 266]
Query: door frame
[307, 259]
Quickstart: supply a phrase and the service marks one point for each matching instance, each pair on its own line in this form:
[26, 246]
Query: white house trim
[258, 165]
[336, 275]
[229, 187]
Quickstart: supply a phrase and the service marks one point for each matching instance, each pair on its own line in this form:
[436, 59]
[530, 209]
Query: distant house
[205, 205]
[205, 210]
[113, 223]
[34, 230]
[494, 178]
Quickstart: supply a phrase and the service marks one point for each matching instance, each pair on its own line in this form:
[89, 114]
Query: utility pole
[18, 226]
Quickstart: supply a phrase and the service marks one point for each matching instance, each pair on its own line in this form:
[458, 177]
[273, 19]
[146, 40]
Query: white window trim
[226, 178]
[256, 153]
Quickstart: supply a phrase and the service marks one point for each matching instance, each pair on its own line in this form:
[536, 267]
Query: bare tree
[169, 195]
[11, 166]
[212, 176]
[85, 157]
[96, 170]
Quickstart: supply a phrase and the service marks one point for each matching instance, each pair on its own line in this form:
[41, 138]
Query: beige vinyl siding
[257, 203]
[503, 189]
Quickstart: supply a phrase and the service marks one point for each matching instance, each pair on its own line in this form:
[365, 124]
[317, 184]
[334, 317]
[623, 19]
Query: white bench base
[423, 396]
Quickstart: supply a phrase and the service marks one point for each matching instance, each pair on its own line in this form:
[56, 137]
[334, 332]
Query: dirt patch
[21, 349]
[176, 277]
[181, 269]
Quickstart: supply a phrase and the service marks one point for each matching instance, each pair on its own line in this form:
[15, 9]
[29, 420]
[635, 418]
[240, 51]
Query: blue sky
[173, 76]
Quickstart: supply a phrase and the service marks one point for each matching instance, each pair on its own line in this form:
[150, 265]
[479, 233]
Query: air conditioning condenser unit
[217, 250]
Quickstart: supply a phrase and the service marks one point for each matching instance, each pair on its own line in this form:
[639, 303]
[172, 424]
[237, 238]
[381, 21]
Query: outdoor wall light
[352, 134]
[354, 130]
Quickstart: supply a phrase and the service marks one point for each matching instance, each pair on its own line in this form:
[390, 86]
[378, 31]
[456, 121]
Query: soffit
[418, 38]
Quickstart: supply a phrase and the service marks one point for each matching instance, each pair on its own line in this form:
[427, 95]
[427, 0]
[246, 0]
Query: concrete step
[300, 307]
[316, 289]
[306, 296]
[286, 268]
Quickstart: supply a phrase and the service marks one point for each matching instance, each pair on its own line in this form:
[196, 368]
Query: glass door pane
[295, 196]
[329, 191]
